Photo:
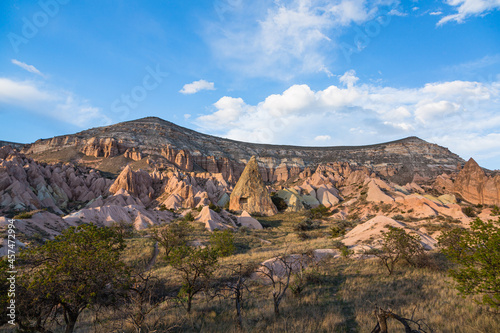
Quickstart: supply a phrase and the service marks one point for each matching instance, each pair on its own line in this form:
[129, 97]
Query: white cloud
[467, 8]
[365, 113]
[395, 12]
[436, 13]
[29, 68]
[322, 138]
[196, 86]
[54, 103]
[349, 78]
[281, 39]
[426, 111]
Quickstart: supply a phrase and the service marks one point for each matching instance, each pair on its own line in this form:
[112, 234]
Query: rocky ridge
[165, 144]
[159, 184]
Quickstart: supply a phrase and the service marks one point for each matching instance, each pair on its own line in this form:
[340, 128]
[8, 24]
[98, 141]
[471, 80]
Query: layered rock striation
[188, 150]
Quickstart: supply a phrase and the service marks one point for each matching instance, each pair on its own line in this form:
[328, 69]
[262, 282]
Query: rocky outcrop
[28, 185]
[250, 193]
[106, 147]
[399, 160]
[475, 186]
[137, 183]
[371, 232]
[133, 154]
[212, 220]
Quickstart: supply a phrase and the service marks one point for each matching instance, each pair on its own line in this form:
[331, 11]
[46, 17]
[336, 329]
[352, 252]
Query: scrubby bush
[469, 211]
[173, 235]
[397, 244]
[340, 229]
[476, 252]
[24, 215]
[319, 212]
[189, 217]
[279, 202]
[222, 242]
[307, 225]
[215, 208]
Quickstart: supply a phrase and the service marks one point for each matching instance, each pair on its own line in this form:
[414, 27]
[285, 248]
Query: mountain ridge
[161, 143]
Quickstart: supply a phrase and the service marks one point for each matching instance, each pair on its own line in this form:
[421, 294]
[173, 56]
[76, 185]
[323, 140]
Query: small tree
[173, 235]
[196, 266]
[279, 273]
[78, 269]
[234, 284]
[398, 244]
[477, 255]
[222, 242]
[143, 297]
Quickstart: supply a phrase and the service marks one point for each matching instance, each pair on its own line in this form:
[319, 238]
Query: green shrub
[215, 208]
[189, 217]
[319, 212]
[307, 225]
[222, 242]
[476, 252]
[24, 215]
[397, 244]
[279, 202]
[469, 211]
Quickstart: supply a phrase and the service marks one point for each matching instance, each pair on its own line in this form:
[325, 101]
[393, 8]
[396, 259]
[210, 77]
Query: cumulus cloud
[57, 104]
[280, 39]
[322, 138]
[467, 8]
[350, 114]
[196, 86]
[29, 68]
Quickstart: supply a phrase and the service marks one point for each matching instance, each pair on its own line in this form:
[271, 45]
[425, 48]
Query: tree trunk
[189, 301]
[70, 318]
[382, 320]
[276, 308]
[238, 309]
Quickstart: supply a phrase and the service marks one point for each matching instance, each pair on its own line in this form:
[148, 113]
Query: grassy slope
[340, 295]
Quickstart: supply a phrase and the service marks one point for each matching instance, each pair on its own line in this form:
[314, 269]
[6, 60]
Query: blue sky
[342, 72]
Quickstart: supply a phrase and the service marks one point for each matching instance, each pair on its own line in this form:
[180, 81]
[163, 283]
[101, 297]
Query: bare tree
[382, 316]
[279, 272]
[234, 285]
[143, 298]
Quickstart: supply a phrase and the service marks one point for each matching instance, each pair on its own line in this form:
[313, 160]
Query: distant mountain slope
[156, 138]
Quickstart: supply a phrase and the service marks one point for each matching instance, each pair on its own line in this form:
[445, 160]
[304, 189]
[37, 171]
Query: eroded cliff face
[475, 186]
[162, 142]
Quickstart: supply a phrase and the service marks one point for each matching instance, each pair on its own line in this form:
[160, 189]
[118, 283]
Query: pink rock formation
[212, 220]
[375, 194]
[476, 187]
[25, 184]
[105, 147]
[133, 154]
[137, 183]
[245, 220]
[250, 193]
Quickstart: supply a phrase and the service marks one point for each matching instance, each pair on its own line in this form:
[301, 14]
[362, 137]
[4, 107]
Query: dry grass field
[338, 295]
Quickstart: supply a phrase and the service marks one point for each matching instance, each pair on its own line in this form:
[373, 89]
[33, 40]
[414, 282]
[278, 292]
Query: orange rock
[250, 193]
[475, 186]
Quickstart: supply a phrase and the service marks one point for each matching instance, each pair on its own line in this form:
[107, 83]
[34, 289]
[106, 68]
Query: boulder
[245, 220]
